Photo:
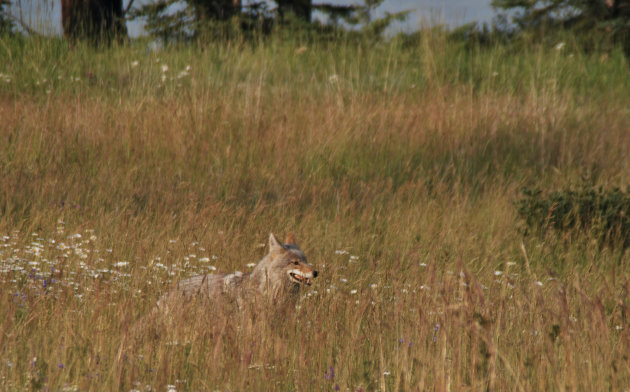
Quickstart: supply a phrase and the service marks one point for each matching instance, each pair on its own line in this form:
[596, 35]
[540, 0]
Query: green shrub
[603, 213]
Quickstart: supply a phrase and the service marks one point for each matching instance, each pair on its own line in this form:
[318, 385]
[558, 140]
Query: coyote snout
[303, 274]
[281, 272]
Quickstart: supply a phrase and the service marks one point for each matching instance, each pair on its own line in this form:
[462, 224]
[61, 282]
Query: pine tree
[6, 23]
[175, 19]
[184, 19]
[568, 14]
[591, 21]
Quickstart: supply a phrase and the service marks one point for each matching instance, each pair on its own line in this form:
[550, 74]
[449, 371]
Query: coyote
[280, 273]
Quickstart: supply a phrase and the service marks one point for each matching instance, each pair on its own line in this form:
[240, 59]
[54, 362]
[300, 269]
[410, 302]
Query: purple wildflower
[437, 328]
[330, 374]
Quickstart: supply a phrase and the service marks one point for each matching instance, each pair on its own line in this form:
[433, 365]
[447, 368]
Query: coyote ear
[274, 244]
[290, 239]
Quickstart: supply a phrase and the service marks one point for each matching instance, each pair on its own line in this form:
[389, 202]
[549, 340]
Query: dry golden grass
[398, 179]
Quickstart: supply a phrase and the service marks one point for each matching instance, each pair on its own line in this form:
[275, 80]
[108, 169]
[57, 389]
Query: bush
[603, 213]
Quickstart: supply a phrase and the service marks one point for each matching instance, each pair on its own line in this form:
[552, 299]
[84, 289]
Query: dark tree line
[592, 22]
[564, 13]
[104, 20]
[196, 18]
[100, 22]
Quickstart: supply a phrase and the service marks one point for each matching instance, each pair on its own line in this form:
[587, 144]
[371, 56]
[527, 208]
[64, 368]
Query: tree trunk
[98, 21]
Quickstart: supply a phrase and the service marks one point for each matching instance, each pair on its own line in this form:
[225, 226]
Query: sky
[45, 15]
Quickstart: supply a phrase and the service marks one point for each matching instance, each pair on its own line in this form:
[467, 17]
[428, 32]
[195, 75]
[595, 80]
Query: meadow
[396, 164]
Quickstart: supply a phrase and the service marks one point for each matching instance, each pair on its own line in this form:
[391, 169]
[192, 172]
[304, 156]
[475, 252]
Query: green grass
[409, 157]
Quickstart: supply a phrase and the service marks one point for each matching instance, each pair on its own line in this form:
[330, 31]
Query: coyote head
[285, 265]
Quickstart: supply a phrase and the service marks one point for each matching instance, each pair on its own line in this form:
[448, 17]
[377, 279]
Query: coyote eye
[296, 262]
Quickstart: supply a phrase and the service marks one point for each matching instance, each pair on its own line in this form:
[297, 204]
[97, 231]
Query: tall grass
[397, 165]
